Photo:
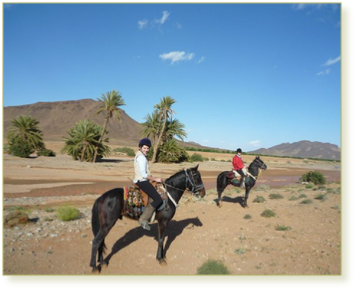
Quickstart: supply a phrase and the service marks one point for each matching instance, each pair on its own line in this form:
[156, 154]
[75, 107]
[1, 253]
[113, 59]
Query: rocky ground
[303, 238]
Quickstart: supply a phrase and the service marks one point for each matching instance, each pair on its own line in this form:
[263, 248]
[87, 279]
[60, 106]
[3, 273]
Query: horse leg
[98, 246]
[161, 255]
[221, 185]
[247, 192]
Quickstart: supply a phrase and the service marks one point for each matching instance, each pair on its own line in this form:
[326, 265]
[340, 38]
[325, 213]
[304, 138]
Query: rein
[188, 180]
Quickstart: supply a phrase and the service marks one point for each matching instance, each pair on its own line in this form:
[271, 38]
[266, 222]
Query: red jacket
[237, 163]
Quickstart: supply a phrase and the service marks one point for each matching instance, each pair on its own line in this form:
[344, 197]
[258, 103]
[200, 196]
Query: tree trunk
[85, 144]
[155, 148]
[101, 136]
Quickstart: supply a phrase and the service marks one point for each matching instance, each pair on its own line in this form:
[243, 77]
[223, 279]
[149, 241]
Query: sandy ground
[246, 242]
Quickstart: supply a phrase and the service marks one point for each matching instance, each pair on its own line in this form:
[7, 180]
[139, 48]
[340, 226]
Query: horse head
[260, 163]
[195, 183]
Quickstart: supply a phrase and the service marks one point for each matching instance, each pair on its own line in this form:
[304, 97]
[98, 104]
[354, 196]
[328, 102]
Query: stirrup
[145, 225]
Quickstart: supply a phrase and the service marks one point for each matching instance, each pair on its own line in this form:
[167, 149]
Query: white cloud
[142, 24]
[176, 56]
[324, 72]
[332, 61]
[201, 59]
[256, 143]
[164, 17]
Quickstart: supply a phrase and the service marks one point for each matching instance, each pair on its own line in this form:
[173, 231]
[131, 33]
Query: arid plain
[242, 239]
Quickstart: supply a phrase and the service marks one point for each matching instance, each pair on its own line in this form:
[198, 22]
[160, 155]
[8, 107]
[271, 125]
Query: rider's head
[144, 141]
[239, 150]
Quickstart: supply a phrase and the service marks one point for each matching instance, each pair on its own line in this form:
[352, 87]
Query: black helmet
[144, 141]
[239, 150]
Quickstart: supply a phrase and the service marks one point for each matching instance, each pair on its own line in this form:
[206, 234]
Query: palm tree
[164, 112]
[25, 129]
[110, 103]
[151, 126]
[175, 129]
[83, 141]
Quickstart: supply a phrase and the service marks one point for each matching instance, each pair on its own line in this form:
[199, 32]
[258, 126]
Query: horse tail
[221, 182]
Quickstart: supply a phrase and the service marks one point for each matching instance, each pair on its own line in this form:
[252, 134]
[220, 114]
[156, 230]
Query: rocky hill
[304, 149]
[57, 117]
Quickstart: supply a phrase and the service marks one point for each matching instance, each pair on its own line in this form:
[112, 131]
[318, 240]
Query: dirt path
[246, 242]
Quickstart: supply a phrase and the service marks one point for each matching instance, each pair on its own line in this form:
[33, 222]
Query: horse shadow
[175, 229]
[238, 199]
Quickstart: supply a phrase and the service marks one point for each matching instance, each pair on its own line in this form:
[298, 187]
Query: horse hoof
[219, 204]
[163, 262]
[95, 271]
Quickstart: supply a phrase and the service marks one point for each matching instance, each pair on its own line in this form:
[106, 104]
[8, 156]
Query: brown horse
[107, 209]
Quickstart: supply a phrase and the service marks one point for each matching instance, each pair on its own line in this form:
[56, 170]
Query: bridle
[195, 187]
[189, 181]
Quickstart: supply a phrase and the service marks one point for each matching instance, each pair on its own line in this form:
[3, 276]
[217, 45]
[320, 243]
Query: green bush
[67, 213]
[275, 196]
[128, 151]
[259, 199]
[19, 148]
[282, 228]
[268, 213]
[314, 177]
[212, 267]
[46, 152]
[306, 201]
[196, 158]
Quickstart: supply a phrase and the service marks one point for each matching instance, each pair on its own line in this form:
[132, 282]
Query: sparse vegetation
[314, 177]
[247, 217]
[268, 213]
[306, 201]
[259, 199]
[275, 196]
[196, 158]
[213, 267]
[282, 228]
[240, 251]
[128, 151]
[46, 152]
[321, 197]
[67, 213]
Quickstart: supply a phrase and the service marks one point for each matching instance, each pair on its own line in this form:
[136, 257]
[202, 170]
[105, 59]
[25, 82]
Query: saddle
[136, 200]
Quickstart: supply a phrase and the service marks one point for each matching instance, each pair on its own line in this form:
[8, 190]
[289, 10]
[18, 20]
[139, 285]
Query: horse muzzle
[202, 192]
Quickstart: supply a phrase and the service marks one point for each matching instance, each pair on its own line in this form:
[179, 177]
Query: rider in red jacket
[238, 165]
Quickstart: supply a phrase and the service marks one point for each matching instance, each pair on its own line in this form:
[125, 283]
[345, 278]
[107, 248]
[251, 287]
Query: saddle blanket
[135, 200]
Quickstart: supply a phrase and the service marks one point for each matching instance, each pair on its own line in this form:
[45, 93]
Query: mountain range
[55, 119]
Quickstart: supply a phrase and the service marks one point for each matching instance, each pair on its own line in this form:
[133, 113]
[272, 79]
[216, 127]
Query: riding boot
[145, 217]
[242, 182]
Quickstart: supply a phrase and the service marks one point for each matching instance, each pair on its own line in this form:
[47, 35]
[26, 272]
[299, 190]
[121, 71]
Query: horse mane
[251, 164]
[175, 178]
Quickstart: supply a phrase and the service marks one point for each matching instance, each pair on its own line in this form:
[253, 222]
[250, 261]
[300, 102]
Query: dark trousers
[241, 173]
[148, 188]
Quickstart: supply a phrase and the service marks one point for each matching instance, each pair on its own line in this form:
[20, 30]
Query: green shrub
[282, 228]
[275, 196]
[128, 151]
[306, 201]
[67, 213]
[247, 217]
[46, 152]
[19, 148]
[314, 177]
[263, 187]
[212, 267]
[309, 186]
[240, 251]
[196, 158]
[321, 197]
[259, 199]
[268, 213]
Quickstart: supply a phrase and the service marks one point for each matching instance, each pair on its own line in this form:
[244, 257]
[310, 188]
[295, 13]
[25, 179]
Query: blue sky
[243, 75]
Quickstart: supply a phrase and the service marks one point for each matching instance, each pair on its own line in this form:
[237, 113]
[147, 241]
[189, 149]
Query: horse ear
[196, 167]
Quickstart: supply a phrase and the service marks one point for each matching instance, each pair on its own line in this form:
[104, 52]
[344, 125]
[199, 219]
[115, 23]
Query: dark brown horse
[222, 181]
[107, 209]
